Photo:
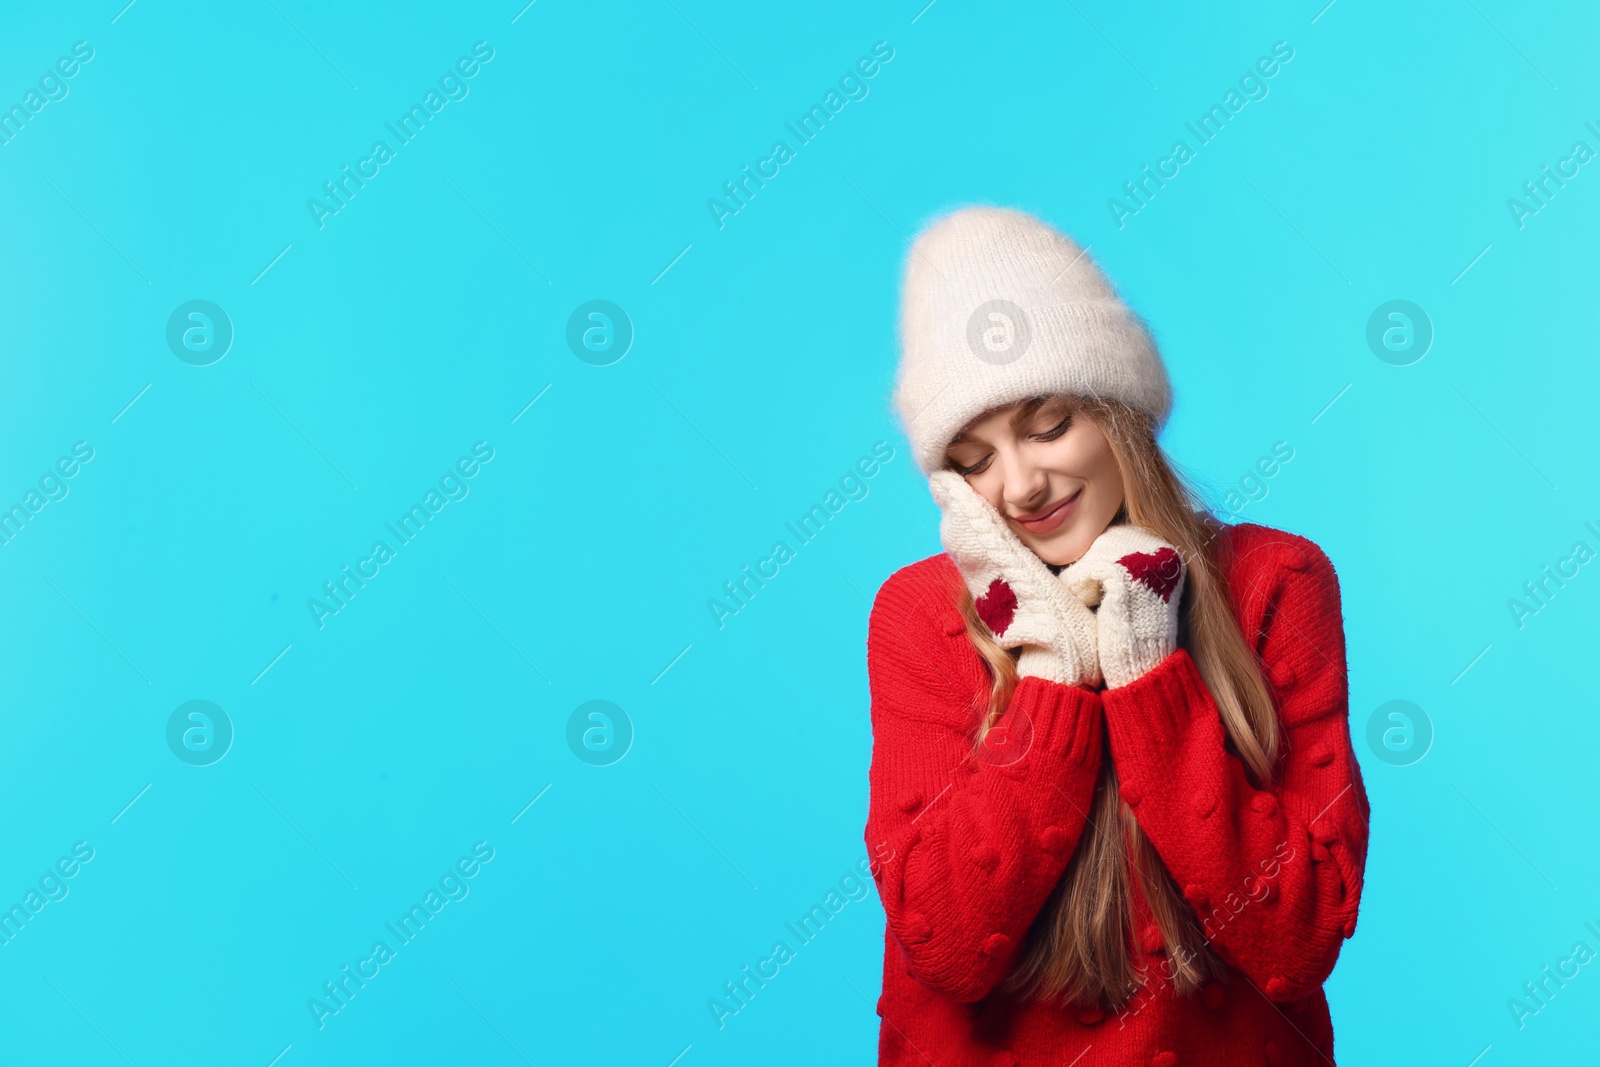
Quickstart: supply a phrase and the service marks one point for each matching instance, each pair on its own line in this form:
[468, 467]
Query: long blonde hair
[1077, 949]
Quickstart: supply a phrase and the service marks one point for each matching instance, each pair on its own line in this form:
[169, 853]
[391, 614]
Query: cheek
[1086, 456]
[1097, 515]
[1110, 479]
[991, 486]
[1101, 467]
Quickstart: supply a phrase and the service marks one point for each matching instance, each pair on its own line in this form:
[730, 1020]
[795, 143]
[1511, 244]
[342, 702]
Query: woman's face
[1048, 468]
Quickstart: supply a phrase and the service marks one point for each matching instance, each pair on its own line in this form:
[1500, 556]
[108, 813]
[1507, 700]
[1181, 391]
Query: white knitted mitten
[1022, 603]
[1137, 579]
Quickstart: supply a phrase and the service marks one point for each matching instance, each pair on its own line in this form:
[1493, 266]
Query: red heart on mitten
[997, 607]
[1159, 571]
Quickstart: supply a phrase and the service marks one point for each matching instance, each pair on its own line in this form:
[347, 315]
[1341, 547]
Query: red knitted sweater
[966, 851]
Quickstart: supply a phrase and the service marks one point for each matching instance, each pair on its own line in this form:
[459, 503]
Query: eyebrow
[1022, 414]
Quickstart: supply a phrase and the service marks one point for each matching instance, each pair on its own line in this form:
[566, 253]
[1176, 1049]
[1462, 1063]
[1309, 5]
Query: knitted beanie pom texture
[998, 306]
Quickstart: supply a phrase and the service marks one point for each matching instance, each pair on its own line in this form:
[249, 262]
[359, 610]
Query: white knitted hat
[997, 306]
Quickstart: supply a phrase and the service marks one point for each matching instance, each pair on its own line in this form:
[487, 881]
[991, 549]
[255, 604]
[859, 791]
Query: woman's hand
[1022, 603]
[1136, 578]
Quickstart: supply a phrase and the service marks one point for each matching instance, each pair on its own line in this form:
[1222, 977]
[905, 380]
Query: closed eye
[974, 469]
[1057, 431]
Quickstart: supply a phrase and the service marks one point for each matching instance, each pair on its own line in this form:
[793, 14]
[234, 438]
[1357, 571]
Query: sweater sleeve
[1275, 874]
[967, 848]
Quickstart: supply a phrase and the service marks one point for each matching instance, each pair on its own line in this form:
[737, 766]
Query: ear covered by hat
[998, 306]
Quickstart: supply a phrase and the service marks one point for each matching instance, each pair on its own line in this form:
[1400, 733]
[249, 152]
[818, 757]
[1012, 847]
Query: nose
[1025, 483]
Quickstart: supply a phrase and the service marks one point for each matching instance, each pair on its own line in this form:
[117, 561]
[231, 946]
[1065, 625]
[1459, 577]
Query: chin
[1067, 546]
[1060, 551]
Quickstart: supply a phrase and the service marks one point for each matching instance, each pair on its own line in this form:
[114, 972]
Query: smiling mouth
[1047, 518]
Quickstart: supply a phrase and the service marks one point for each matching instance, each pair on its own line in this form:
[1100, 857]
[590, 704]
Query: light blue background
[432, 309]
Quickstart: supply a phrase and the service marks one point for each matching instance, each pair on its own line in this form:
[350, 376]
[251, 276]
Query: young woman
[1115, 816]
